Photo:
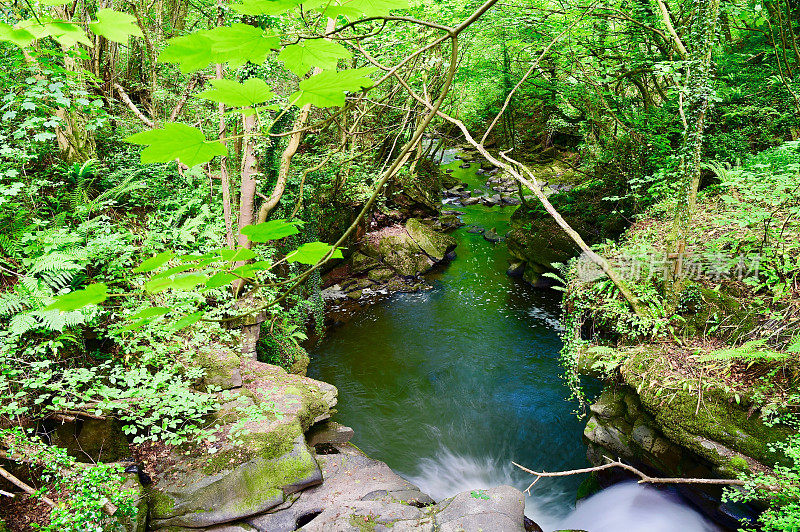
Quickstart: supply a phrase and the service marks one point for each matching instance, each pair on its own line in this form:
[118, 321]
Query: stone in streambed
[492, 236]
[380, 275]
[516, 269]
[491, 201]
[476, 230]
[470, 201]
[361, 263]
[435, 245]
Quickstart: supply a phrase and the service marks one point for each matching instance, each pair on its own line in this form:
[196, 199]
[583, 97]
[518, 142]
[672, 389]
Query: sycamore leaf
[154, 262]
[115, 25]
[68, 34]
[265, 7]
[236, 44]
[188, 281]
[192, 52]
[322, 53]
[272, 230]
[248, 270]
[91, 295]
[354, 9]
[239, 43]
[172, 271]
[327, 89]
[312, 253]
[20, 37]
[250, 93]
[189, 319]
[236, 254]
[176, 141]
[220, 279]
[135, 325]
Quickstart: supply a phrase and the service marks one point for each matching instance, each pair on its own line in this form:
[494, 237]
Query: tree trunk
[698, 89]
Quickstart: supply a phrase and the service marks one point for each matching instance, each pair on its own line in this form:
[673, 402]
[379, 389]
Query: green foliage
[84, 489]
[177, 141]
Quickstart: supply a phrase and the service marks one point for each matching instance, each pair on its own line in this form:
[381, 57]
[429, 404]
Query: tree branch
[644, 479]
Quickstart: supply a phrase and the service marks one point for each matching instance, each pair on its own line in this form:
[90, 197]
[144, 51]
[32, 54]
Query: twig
[644, 479]
[24, 487]
[127, 101]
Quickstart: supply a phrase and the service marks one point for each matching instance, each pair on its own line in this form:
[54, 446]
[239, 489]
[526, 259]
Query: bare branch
[644, 479]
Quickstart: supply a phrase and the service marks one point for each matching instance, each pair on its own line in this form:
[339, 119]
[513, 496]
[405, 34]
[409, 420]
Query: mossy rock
[221, 368]
[729, 318]
[717, 431]
[360, 263]
[92, 440]
[435, 245]
[404, 256]
[225, 490]
[380, 275]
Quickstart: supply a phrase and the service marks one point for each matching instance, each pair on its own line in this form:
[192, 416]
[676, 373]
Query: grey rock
[491, 236]
[470, 201]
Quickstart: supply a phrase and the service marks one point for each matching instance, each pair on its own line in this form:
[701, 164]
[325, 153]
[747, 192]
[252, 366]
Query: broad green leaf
[173, 271]
[265, 7]
[237, 254]
[327, 89]
[236, 44]
[239, 43]
[189, 319]
[54, 2]
[220, 279]
[272, 230]
[135, 325]
[250, 93]
[154, 262]
[115, 25]
[177, 141]
[322, 53]
[188, 281]
[151, 312]
[312, 253]
[91, 295]
[68, 34]
[248, 270]
[192, 52]
[20, 37]
[154, 286]
[354, 9]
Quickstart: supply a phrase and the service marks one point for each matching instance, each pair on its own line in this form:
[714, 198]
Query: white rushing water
[631, 507]
[625, 507]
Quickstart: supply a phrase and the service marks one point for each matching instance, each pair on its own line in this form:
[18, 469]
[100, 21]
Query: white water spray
[634, 508]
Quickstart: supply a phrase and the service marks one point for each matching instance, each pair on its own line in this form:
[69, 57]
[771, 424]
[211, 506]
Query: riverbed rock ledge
[291, 468]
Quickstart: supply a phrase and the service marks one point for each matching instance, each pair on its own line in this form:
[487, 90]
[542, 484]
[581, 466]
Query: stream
[450, 385]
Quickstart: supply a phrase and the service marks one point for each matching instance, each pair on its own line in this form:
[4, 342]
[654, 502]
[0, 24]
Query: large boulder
[403, 255]
[435, 245]
[360, 493]
[259, 458]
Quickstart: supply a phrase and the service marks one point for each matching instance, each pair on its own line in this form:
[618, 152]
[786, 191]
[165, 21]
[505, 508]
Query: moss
[719, 419]
[721, 313]
[739, 463]
[161, 504]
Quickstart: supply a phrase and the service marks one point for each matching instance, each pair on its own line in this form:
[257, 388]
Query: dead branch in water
[644, 479]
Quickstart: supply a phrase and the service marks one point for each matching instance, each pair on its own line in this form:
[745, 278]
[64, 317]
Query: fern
[747, 352]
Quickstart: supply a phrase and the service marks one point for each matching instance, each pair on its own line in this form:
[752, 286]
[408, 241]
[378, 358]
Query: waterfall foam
[634, 508]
